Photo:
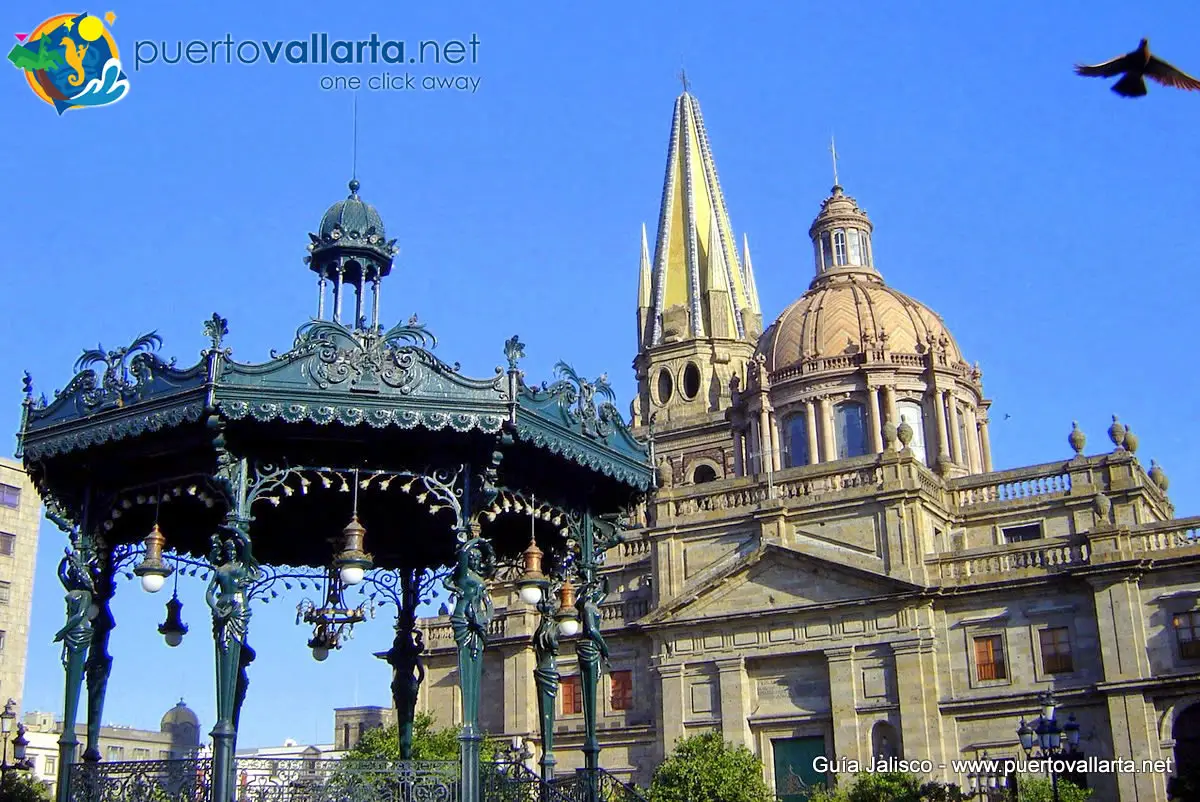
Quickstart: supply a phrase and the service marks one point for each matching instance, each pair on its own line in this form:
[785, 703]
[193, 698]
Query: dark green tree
[704, 768]
[429, 743]
[20, 786]
[1040, 789]
[891, 786]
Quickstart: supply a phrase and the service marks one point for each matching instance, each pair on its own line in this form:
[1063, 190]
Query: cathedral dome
[850, 313]
[848, 308]
[179, 714]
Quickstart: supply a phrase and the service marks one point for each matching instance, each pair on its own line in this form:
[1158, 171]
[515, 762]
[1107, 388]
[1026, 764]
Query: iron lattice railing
[608, 788]
[268, 780]
[514, 782]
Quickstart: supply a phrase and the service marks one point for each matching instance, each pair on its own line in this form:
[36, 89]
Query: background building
[177, 738]
[20, 516]
[831, 565]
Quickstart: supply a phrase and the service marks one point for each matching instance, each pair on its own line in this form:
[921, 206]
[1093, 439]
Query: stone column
[828, 442]
[1122, 628]
[972, 444]
[735, 702]
[764, 440]
[739, 465]
[753, 450]
[920, 720]
[671, 696]
[939, 413]
[956, 444]
[876, 423]
[985, 445]
[843, 702]
[1132, 721]
[889, 403]
[810, 425]
[776, 442]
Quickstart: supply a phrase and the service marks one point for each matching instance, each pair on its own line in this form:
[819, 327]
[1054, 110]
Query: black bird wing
[1108, 69]
[1162, 72]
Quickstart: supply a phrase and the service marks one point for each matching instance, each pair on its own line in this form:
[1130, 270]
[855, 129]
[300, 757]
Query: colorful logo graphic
[71, 62]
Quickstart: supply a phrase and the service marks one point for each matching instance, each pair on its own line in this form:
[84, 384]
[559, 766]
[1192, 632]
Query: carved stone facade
[848, 577]
[20, 514]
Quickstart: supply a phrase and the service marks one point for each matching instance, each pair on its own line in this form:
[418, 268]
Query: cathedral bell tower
[698, 314]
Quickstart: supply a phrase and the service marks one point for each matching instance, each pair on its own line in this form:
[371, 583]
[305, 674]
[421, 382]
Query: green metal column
[75, 636]
[234, 569]
[545, 676]
[473, 612]
[591, 648]
[99, 662]
[405, 659]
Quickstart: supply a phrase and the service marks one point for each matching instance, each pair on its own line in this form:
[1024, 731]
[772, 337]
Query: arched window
[795, 438]
[850, 428]
[865, 242]
[704, 473]
[826, 251]
[912, 413]
[855, 251]
[839, 247]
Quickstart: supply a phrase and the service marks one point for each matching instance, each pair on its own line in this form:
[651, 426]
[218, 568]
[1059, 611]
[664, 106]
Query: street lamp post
[20, 744]
[1047, 739]
[991, 784]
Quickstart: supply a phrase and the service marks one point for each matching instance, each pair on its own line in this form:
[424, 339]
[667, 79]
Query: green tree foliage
[20, 786]
[704, 768]
[1040, 789]
[429, 743]
[892, 786]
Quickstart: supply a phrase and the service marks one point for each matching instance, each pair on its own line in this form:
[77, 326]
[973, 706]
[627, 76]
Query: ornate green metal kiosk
[354, 458]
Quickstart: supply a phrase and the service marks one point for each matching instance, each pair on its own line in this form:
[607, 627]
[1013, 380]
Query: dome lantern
[841, 236]
[351, 248]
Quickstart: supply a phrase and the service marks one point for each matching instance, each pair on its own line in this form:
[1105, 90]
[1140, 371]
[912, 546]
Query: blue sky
[1049, 221]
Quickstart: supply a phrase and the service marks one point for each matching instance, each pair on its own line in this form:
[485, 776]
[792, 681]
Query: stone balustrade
[1181, 533]
[1044, 482]
[1010, 560]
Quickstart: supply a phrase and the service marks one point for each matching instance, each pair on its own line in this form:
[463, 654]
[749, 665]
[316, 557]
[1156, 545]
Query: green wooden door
[794, 772]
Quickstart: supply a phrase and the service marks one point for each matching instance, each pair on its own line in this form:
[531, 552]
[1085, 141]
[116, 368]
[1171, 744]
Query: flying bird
[1134, 67]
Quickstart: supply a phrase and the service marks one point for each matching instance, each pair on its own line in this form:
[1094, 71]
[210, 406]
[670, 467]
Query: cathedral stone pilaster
[843, 702]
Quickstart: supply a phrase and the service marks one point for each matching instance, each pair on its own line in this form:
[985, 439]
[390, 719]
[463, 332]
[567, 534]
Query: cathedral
[831, 568]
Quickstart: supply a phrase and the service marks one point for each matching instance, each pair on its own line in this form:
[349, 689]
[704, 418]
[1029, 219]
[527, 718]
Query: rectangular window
[989, 658]
[163, 754]
[10, 496]
[571, 689]
[115, 753]
[5, 592]
[1056, 650]
[855, 253]
[1022, 534]
[141, 754]
[1187, 634]
[3, 639]
[346, 735]
[51, 766]
[622, 690]
[8, 543]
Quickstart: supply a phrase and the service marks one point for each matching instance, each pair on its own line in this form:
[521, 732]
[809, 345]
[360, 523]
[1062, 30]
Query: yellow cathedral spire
[698, 286]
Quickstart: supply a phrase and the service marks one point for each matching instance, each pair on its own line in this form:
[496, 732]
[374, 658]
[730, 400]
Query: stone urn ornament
[1116, 433]
[1159, 476]
[1102, 505]
[904, 433]
[1131, 441]
[890, 432]
[1077, 439]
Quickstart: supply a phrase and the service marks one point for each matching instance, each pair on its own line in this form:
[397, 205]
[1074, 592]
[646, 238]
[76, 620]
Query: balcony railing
[1043, 482]
[1181, 533]
[1010, 561]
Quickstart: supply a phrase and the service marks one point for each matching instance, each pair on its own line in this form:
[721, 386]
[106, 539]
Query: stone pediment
[771, 579]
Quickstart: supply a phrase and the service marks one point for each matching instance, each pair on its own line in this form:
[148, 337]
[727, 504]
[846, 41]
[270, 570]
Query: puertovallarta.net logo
[71, 62]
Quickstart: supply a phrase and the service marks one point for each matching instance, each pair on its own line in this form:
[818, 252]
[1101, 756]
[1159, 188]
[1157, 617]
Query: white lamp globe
[153, 583]
[173, 639]
[352, 574]
[568, 627]
[531, 594]
[320, 653]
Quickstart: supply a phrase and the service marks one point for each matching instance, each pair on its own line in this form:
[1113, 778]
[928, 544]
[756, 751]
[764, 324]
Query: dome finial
[354, 185]
[837, 185]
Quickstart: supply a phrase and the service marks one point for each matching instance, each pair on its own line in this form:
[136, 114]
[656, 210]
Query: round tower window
[691, 381]
[665, 386]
